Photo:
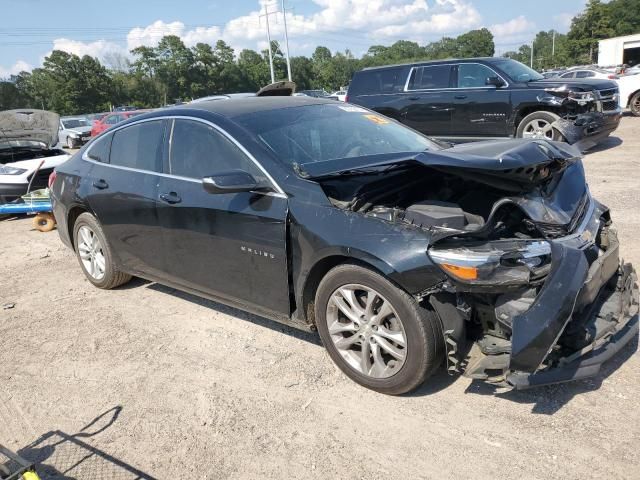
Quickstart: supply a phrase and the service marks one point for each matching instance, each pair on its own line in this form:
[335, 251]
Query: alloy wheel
[91, 254]
[539, 129]
[366, 331]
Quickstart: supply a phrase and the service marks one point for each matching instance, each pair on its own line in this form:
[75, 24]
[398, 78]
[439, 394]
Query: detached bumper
[587, 130]
[613, 322]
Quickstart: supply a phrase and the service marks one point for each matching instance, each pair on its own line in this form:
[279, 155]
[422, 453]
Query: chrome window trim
[406, 84]
[278, 193]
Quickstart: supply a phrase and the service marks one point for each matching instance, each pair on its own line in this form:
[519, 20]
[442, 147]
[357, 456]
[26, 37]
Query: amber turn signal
[463, 273]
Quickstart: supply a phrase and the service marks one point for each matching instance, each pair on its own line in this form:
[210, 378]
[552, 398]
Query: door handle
[171, 197]
[460, 97]
[414, 98]
[100, 184]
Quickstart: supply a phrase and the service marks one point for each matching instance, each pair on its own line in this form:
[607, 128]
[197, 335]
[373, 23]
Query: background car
[313, 93]
[629, 86]
[478, 98]
[28, 152]
[588, 72]
[112, 119]
[74, 131]
[339, 95]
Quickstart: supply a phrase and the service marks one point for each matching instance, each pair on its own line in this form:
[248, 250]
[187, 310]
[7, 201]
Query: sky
[31, 29]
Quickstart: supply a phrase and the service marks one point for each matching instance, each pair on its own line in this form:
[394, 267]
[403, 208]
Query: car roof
[437, 62]
[240, 106]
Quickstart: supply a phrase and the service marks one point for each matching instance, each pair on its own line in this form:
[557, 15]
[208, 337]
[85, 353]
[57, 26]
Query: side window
[100, 149]
[138, 146]
[473, 75]
[584, 74]
[430, 77]
[112, 119]
[198, 150]
[568, 75]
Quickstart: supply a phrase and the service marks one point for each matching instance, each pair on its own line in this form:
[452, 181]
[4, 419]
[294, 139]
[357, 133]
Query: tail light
[346, 98]
[52, 178]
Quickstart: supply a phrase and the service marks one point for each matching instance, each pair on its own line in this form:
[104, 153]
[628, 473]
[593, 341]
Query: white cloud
[94, 49]
[16, 68]
[515, 26]
[152, 34]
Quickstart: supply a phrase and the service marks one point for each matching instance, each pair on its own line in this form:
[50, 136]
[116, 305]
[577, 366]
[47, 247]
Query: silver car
[74, 131]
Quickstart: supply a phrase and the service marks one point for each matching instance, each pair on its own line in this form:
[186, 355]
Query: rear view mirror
[495, 81]
[231, 182]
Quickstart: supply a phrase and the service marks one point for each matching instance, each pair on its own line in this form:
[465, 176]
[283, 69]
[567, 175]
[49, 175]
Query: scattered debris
[7, 306]
[304, 407]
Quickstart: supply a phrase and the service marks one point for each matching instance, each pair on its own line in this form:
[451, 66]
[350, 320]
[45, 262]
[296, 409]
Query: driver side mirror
[495, 81]
[232, 182]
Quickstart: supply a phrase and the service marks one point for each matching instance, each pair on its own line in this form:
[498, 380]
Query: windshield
[518, 71]
[319, 133]
[75, 123]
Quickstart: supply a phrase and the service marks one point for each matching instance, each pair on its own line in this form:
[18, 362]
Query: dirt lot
[192, 388]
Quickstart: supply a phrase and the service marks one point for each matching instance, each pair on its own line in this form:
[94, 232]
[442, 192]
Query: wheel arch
[324, 264]
[528, 110]
[74, 212]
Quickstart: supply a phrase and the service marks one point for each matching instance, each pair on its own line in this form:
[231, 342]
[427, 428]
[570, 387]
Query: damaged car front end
[588, 113]
[533, 290]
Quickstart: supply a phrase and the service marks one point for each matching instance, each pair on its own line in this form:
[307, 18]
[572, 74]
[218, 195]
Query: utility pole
[286, 40]
[266, 14]
[553, 45]
[531, 62]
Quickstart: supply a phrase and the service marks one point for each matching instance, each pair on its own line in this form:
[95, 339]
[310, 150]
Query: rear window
[430, 77]
[100, 148]
[371, 82]
[138, 146]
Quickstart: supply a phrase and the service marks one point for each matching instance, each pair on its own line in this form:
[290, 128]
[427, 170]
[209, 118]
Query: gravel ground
[189, 387]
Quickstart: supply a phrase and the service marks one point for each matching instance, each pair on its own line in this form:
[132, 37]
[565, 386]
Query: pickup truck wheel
[69, 142]
[94, 254]
[539, 125]
[634, 104]
[375, 332]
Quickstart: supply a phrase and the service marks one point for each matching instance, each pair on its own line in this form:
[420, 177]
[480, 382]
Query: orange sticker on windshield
[377, 119]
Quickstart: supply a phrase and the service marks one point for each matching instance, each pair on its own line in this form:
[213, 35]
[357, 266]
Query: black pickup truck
[481, 98]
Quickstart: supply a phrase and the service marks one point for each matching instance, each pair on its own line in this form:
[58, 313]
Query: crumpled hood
[29, 125]
[507, 164]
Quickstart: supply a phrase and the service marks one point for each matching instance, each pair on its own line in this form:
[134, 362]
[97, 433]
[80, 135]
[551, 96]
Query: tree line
[170, 71]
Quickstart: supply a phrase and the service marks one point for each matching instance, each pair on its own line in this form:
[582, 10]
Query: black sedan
[491, 257]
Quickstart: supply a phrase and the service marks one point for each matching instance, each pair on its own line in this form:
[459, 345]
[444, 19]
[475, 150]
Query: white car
[340, 95]
[588, 72]
[28, 151]
[74, 131]
[629, 86]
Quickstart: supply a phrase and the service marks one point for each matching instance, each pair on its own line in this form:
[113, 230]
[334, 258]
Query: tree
[594, 24]
[476, 43]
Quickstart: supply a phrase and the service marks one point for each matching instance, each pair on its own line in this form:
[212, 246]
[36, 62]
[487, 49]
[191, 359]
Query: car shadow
[606, 144]
[549, 399]
[228, 310]
[58, 455]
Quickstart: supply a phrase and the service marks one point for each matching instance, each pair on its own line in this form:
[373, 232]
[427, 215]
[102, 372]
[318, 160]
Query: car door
[481, 110]
[428, 100]
[123, 190]
[568, 75]
[230, 245]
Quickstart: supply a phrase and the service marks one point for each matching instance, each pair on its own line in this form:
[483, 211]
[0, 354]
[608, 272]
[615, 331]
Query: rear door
[481, 110]
[230, 245]
[123, 191]
[428, 100]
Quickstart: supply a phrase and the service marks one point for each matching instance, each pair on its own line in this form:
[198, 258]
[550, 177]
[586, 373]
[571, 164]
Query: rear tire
[634, 104]
[94, 254]
[405, 342]
[537, 125]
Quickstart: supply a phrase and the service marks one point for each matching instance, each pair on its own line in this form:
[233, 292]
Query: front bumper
[588, 129]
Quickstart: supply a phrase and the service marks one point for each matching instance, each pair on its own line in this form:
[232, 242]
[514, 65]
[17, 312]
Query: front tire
[69, 143]
[375, 332]
[94, 254]
[538, 125]
[634, 104]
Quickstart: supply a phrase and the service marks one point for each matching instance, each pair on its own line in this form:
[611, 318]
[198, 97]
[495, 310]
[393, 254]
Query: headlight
[503, 262]
[6, 170]
[74, 135]
[582, 97]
